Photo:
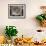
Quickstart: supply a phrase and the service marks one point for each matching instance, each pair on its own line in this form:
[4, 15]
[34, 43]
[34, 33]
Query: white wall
[25, 26]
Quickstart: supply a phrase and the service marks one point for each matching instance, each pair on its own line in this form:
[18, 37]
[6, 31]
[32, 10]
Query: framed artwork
[16, 11]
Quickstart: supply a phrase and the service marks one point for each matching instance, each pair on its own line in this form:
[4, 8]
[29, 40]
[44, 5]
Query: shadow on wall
[2, 29]
[34, 21]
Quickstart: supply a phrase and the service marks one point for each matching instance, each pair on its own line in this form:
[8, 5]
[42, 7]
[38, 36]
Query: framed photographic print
[16, 11]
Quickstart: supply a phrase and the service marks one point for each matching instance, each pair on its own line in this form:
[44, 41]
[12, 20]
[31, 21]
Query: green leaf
[45, 16]
[40, 18]
[10, 31]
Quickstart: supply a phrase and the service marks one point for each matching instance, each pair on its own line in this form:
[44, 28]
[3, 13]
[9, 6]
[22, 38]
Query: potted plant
[10, 31]
[42, 17]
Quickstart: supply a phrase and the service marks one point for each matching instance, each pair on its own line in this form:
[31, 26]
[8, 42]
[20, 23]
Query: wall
[25, 26]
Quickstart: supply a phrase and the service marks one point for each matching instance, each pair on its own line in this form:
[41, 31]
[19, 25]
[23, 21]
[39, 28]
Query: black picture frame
[16, 11]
